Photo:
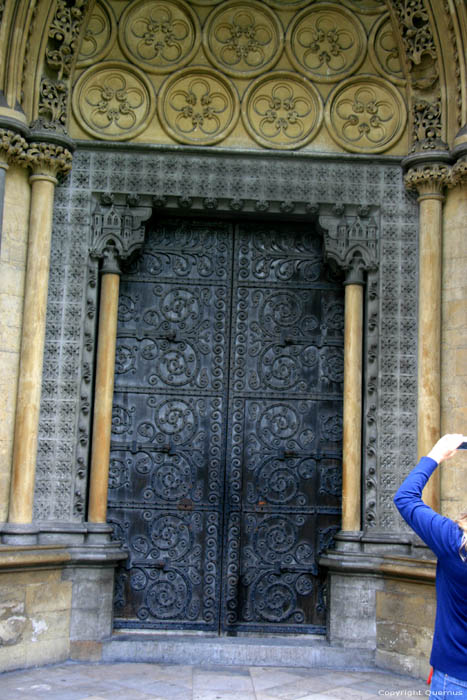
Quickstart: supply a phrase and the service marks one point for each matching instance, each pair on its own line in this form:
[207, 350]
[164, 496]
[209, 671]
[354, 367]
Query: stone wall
[405, 614]
[35, 607]
[12, 271]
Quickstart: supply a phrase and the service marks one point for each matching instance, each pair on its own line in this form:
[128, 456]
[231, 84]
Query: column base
[19, 533]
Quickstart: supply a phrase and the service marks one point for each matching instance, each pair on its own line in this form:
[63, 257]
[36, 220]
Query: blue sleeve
[438, 532]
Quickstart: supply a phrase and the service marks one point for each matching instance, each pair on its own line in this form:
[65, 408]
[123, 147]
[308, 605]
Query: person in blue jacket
[448, 540]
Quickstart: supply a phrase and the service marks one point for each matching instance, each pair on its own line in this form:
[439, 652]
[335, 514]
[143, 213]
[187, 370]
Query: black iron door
[225, 470]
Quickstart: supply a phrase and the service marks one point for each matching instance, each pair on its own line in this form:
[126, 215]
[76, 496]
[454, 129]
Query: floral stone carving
[99, 36]
[243, 38]
[326, 42]
[198, 106]
[365, 114]
[282, 110]
[113, 101]
[160, 36]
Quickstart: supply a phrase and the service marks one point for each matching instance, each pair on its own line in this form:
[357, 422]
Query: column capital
[428, 173]
[459, 153]
[12, 147]
[353, 245]
[47, 160]
[117, 232]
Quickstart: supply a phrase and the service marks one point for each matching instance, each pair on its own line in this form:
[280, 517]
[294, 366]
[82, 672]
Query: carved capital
[353, 247]
[12, 147]
[459, 173]
[428, 179]
[48, 159]
[459, 153]
[117, 232]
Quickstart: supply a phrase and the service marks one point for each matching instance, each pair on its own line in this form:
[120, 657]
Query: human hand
[446, 446]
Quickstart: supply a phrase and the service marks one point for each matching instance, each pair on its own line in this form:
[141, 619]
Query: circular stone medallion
[384, 51]
[198, 106]
[326, 43]
[287, 4]
[113, 101]
[366, 7]
[365, 114]
[99, 36]
[282, 110]
[161, 36]
[243, 38]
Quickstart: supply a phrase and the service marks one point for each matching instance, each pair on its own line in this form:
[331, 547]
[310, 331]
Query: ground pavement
[143, 681]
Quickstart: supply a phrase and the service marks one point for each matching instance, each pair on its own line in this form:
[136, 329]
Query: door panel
[167, 466]
[285, 430]
[225, 463]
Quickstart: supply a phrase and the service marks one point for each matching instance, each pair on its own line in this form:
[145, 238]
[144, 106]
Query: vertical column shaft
[105, 371]
[3, 169]
[32, 349]
[429, 333]
[352, 438]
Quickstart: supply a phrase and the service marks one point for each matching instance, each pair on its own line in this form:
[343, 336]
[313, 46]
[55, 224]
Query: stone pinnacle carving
[117, 232]
[353, 247]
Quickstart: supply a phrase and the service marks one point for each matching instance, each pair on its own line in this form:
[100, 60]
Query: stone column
[352, 424]
[429, 175]
[353, 248]
[46, 161]
[105, 369]
[117, 233]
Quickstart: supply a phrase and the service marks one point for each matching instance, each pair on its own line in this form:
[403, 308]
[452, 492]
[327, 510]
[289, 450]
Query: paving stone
[149, 681]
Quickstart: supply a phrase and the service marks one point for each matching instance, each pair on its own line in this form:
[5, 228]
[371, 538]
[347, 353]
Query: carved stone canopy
[117, 232]
[351, 244]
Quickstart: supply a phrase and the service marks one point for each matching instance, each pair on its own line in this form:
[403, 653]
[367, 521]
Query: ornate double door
[225, 473]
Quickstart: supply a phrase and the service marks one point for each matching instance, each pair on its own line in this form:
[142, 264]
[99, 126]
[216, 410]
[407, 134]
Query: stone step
[235, 651]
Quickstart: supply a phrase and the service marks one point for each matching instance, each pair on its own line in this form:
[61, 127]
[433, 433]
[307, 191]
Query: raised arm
[435, 530]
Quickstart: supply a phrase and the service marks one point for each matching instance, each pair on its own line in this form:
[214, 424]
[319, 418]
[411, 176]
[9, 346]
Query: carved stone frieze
[315, 44]
[63, 43]
[52, 110]
[422, 64]
[427, 125]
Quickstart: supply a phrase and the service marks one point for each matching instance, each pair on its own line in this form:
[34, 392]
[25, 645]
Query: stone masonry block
[48, 597]
[413, 610]
[86, 651]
